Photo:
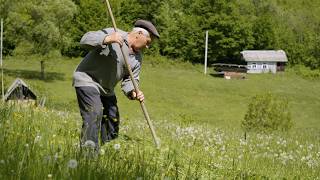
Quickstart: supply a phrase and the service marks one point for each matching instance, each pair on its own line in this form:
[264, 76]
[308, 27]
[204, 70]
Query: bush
[307, 72]
[267, 112]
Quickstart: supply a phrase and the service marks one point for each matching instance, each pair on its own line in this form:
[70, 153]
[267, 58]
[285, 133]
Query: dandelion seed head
[116, 146]
[72, 164]
[89, 144]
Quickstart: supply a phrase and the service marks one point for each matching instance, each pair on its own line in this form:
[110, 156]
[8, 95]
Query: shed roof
[26, 92]
[264, 55]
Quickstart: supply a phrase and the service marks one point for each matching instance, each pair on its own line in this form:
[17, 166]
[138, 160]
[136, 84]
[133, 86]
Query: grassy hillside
[197, 118]
[178, 92]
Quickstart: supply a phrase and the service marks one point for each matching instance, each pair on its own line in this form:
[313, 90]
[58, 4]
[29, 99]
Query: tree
[42, 24]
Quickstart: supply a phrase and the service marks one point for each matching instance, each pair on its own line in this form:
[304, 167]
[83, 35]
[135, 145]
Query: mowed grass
[197, 118]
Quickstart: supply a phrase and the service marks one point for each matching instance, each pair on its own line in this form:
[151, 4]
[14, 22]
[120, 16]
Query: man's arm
[100, 39]
[127, 85]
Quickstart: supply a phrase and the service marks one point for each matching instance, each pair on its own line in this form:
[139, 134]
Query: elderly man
[102, 68]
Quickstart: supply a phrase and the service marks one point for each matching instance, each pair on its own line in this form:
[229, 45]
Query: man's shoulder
[111, 30]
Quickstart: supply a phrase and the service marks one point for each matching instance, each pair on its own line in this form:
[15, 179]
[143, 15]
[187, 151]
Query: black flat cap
[147, 25]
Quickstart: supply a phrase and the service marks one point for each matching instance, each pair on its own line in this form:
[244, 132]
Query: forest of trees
[43, 26]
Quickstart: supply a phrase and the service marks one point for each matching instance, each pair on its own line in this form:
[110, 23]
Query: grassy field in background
[197, 118]
[178, 91]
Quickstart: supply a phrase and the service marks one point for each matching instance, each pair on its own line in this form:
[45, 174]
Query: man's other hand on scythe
[137, 96]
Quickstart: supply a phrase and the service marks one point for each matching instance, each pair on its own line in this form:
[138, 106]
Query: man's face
[142, 41]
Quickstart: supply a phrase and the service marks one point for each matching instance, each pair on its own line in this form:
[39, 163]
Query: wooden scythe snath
[136, 88]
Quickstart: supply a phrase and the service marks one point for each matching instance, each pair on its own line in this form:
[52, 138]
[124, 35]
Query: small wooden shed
[264, 61]
[20, 92]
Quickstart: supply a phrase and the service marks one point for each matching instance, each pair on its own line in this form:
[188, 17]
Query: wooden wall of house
[262, 67]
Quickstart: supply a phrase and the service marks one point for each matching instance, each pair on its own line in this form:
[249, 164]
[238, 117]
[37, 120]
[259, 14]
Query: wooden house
[265, 61]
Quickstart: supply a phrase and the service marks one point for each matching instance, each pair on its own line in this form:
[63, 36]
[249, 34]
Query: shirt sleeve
[126, 84]
[94, 39]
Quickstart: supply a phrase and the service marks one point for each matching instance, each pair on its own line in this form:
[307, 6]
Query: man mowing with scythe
[102, 68]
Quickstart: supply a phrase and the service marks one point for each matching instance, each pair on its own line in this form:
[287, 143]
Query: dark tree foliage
[234, 25]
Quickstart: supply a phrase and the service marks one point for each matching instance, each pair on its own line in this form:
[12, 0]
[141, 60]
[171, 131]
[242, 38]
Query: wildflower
[116, 147]
[102, 151]
[206, 148]
[243, 142]
[37, 139]
[49, 176]
[311, 163]
[56, 156]
[26, 145]
[72, 163]
[89, 144]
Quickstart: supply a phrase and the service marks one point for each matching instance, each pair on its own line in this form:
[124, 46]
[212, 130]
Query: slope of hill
[178, 91]
[197, 118]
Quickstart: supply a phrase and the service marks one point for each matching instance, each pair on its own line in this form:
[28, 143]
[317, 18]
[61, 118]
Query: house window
[254, 66]
[264, 66]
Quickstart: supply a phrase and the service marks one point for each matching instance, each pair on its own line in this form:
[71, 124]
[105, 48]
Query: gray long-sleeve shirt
[103, 67]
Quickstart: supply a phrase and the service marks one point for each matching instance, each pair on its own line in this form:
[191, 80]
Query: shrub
[267, 112]
[307, 72]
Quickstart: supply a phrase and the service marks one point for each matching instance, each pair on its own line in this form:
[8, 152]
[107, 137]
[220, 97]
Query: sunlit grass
[197, 118]
[41, 143]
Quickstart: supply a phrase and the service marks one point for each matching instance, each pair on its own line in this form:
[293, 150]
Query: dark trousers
[98, 113]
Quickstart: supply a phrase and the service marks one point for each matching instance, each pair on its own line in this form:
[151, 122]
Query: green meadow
[196, 116]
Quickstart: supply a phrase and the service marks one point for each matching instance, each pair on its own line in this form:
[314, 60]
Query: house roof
[264, 55]
[18, 83]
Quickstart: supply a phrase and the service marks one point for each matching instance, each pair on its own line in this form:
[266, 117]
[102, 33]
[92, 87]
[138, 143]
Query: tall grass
[42, 143]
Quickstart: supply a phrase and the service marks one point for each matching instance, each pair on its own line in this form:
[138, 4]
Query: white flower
[116, 146]
[89, 144]
[26, 145]
[243, 142]
[56, 156]
[102, 151]
[49, 176]
[72, 163]
[37, 139]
